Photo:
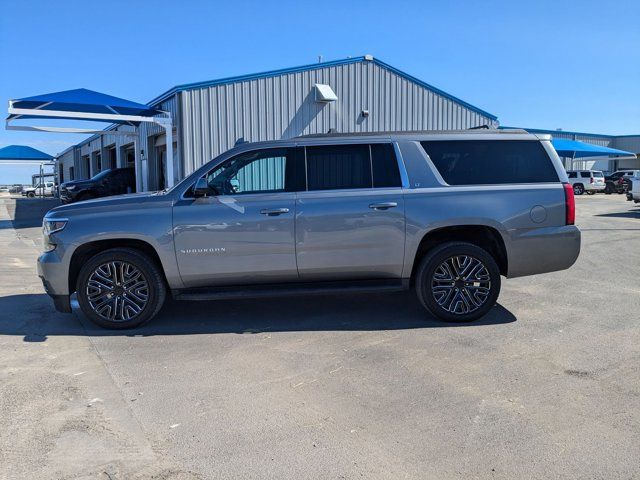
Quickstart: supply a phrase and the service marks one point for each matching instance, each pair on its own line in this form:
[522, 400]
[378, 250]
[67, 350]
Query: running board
[291, 289]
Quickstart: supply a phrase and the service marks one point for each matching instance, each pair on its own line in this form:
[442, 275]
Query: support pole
[167, 124]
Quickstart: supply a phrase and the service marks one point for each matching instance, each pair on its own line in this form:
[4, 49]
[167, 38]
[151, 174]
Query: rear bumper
[592, 187]
[542, 250]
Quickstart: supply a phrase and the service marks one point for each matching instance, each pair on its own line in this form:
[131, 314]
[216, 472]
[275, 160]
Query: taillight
[570, 204]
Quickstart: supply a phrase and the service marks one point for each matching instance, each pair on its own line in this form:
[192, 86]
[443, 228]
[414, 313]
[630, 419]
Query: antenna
[319, 58]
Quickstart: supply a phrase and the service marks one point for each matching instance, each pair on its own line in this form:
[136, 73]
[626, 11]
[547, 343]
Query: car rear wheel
[578, 189]
[458, 282]
[120, 288]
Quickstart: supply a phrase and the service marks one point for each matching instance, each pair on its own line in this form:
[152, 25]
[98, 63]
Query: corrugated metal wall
[628, 143]
[215, 118]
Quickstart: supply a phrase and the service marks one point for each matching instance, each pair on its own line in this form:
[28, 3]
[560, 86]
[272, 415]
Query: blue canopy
[82, 100]
[576, 149]
[22, 152]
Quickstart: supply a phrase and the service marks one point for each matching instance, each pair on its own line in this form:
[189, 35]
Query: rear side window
[385, 166]
[338, 166]
[598, 174]
[585, 174]
[483, 162]
[572, 174]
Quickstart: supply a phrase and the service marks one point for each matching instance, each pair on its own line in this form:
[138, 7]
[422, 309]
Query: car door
[350, 221]
[243, 233]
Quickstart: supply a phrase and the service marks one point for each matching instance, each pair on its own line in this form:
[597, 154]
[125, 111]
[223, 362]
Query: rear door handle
[383, 205]
[272, 212]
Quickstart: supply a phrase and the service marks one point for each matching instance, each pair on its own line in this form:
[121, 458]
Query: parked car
[15, 188]
[590, 181]
[634, 188]
[617, 181]
[115, 181]
[45, 189]
[443, 213]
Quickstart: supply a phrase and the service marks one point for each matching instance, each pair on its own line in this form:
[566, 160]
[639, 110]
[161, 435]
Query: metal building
[360, 94]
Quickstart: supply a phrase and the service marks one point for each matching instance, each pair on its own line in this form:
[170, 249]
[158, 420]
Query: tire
[138, 303]
[31, 195]
[608, 189]
[591, 192]
[434, 294]
[578, 189]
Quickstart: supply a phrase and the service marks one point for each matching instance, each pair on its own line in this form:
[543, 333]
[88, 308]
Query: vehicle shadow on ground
[27, 212]
[629, 214]
[33, 317]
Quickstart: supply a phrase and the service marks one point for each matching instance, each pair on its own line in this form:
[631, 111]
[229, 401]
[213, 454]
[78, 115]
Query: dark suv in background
[618, 181]
[116, 181]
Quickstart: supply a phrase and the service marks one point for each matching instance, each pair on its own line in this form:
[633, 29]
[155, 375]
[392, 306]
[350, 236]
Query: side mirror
[201, 188]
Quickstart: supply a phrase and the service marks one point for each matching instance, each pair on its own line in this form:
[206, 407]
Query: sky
[569, 64]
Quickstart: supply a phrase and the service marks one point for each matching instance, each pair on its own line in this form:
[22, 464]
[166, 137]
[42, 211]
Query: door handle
[272, 212]
[383, 205]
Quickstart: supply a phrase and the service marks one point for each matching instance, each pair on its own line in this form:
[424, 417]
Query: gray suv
[444, 213]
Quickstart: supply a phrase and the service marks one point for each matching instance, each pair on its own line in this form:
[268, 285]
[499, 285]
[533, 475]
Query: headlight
[71, 187]
[54, 225]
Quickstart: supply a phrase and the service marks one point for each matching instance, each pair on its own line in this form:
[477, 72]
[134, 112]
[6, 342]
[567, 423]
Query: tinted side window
[482, 162]
[260, 171]
[585, 174]
[572, 174]
[338, 166]
[385, 166]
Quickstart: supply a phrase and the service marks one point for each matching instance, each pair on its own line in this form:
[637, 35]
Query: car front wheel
[458, 282]
[120, 288]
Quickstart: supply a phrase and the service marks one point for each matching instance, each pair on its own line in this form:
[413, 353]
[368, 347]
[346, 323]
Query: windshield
[101, 175]
[598, 174]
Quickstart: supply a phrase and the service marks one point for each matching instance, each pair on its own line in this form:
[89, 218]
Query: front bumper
[53, 272]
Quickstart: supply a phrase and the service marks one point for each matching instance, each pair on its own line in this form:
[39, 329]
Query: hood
[74, 182]
[129, 201]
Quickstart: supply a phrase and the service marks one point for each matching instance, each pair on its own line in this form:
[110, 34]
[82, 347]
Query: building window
[71, 176]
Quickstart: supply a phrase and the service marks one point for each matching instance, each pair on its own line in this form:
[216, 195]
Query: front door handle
[272, 212]
[383, 205]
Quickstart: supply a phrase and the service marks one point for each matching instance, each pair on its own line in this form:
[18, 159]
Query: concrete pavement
[546, 386]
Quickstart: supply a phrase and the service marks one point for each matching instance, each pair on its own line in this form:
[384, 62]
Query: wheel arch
[486, 237]
[87, 250]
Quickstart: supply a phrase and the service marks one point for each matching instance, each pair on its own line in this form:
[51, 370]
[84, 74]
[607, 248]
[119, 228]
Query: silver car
[446, 214]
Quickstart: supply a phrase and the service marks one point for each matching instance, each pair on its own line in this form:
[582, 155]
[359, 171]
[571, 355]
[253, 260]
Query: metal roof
[316, 66]
[23, 152]
[76, 101]
[576, 149]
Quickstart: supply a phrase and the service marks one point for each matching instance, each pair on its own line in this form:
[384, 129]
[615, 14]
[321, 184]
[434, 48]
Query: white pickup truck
[45, 189]
[634, 189]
